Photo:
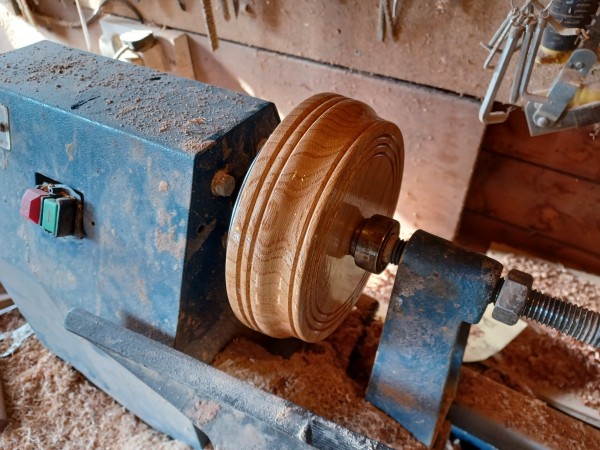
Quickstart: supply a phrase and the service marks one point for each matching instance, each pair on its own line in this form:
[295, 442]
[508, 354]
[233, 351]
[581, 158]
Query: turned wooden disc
[331, 163]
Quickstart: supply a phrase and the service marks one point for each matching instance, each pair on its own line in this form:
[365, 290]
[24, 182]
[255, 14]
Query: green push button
[50, 215]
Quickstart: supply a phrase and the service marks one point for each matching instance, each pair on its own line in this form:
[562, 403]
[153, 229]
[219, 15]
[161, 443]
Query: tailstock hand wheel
[331, 163]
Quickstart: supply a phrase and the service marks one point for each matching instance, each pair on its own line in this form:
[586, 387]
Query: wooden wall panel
[575, 151]
[538, 199]
[437, 41]
[477, 231]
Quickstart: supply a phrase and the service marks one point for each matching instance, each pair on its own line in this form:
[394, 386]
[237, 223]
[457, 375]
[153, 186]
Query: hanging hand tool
[386, 19]
[225, 8]
[569, 102]
[509, 33]
[211, 28]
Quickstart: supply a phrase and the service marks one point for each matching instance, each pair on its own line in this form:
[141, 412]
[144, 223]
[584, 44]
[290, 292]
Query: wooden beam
[436, 42]
[575, 151]
[540, 200]
[477, 231]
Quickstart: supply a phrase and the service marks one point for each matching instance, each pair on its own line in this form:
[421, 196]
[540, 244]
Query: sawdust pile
[329, 378]
[540, 423]
[51, 406]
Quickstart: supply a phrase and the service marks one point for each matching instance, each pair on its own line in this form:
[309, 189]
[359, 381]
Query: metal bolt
[376, 243]
[516, 299]
[542, 121]
[573, 320]
[579, 65]
[512, 296]
[222, 184]
[397, 250]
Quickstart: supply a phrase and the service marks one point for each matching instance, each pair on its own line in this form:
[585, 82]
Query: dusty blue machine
[152, 162]
[117, 185]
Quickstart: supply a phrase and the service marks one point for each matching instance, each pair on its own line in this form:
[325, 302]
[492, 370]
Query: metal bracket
[552, 113]
[4, 128]
[573, 118]
[440, 289]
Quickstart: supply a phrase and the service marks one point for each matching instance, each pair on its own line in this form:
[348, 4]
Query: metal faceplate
[4, 128]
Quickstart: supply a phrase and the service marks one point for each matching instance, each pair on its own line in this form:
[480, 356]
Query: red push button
[31, 204]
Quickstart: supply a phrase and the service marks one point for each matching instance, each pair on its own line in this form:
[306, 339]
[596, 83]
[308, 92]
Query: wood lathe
[181, 215]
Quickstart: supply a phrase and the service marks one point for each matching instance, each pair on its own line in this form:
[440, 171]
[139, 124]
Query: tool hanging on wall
[211, 27]
[209, 18]
[387, 19]
[573, 28]
[225, 8]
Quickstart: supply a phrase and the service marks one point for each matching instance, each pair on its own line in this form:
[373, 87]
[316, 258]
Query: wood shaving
[52, 406]
[328, 378]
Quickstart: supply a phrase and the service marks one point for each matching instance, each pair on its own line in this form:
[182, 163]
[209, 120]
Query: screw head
[222, 184]
[542, 121]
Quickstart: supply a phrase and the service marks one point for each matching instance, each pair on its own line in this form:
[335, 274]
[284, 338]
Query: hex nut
[512, 297]
[222, 184]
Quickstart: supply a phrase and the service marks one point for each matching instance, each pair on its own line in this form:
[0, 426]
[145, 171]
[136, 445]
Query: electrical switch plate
[4, 128]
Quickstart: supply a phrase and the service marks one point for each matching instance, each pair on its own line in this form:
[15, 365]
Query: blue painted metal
[223, 410]
[142, 148]
[476, 428]
[440, 289]
[468, 438]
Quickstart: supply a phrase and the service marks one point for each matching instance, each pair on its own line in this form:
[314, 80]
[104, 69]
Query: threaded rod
[572, 320]
[397, 251]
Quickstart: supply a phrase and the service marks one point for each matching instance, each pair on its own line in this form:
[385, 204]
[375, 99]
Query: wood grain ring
[330, 163]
